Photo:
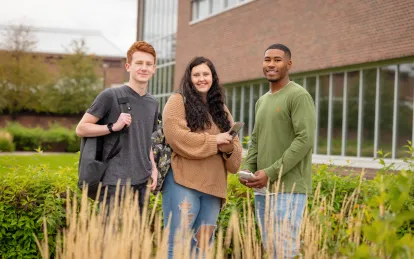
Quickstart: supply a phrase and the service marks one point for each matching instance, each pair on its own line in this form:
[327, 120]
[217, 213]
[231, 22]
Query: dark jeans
[140, 188]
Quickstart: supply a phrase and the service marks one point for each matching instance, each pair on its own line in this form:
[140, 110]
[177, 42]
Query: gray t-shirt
[133, 161]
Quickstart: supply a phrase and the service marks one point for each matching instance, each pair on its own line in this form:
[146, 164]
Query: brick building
[356, 58]
[52, 44]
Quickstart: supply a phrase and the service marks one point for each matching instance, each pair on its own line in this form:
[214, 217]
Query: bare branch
[18, 39]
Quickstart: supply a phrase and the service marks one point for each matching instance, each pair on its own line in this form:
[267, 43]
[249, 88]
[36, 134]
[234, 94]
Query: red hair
[140, 46]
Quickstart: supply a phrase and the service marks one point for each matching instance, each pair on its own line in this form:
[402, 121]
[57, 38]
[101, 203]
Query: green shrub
[25, 139]
[74, 142]
[6, 142]
[56, 138]
[340, 180]
[27, 194]
[61, 139]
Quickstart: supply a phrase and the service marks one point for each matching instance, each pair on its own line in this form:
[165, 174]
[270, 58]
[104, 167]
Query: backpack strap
[125, 107]
[123, 101]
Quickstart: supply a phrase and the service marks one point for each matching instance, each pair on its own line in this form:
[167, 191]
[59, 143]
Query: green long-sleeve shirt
[283, 134]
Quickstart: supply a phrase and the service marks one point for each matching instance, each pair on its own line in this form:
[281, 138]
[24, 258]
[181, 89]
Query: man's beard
[273, 80]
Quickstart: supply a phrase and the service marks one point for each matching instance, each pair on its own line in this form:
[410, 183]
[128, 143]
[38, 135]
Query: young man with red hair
[135, 161]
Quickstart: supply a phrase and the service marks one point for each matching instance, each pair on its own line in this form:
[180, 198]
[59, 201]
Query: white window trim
[240, 88]
[220, 12]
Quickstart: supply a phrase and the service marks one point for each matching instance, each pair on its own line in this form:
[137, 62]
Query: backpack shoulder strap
[125, 107]
[123, 100]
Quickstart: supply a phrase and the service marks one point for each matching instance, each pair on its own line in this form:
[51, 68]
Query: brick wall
[42, 121]
[320, 34]
[115, 73]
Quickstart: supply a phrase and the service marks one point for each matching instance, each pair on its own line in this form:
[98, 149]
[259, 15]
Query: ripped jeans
[200, 210]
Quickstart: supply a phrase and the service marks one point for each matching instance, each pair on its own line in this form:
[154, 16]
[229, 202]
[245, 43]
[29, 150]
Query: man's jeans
[200, 211]
[280, 229]
[140, 188]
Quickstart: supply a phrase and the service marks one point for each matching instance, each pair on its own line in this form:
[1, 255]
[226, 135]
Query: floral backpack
[162, 155]
[162, 152]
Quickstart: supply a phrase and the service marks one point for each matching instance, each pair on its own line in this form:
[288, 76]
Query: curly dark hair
[196, 111]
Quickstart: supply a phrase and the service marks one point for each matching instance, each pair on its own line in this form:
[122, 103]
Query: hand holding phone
[236, 128]
[246, 175]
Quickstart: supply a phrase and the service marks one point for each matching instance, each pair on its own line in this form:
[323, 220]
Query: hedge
[6, 142]
[56, 138]
[27, 194]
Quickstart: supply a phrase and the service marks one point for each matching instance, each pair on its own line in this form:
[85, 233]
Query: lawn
[52, 161]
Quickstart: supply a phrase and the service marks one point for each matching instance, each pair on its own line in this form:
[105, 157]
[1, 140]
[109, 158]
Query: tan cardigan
[196, 161]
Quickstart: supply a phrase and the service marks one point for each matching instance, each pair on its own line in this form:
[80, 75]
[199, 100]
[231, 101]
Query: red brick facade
[42, 121]
[115, 73]
[320, 34]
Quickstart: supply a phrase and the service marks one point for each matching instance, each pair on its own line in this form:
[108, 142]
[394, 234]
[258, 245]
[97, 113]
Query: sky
[116, 19]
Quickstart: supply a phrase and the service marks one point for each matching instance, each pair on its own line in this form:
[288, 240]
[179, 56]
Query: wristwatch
[110, 127]
[227, 154]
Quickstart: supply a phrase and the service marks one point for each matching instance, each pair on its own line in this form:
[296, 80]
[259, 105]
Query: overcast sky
[116, 19]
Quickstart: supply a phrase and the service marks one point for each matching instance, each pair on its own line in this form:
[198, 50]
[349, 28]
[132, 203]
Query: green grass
[53, 162]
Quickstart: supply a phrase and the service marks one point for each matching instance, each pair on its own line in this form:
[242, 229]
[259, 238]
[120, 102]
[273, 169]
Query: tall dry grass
[124, 233]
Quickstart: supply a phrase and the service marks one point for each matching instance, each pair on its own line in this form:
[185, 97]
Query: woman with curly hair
[196, 125]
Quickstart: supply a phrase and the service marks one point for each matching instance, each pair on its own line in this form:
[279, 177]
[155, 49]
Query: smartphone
[236, 128]
[246, 175]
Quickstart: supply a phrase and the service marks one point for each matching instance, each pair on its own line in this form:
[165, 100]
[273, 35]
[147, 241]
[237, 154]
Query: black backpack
[92, 164]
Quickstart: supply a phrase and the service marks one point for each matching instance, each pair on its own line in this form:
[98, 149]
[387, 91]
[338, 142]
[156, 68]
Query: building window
[358, 111]
[205, 8]
[160, 30]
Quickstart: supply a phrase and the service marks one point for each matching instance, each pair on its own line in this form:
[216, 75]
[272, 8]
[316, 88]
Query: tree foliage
[78, 82]
[22, 75]
[27, 84]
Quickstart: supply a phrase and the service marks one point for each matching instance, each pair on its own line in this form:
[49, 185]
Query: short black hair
[281, 47]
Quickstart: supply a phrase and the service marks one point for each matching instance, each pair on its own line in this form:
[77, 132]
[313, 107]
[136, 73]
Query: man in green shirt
[281, 152]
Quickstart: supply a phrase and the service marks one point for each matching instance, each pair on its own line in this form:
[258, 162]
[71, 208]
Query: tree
[22, 75]
[19, 40]
[78, 82]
